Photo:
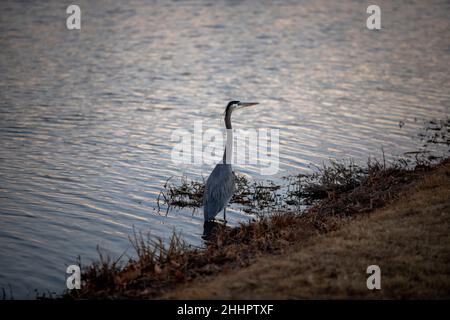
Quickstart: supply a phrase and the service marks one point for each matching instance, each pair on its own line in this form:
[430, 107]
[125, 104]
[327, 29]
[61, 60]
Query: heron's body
[221, 184]
[219, 190]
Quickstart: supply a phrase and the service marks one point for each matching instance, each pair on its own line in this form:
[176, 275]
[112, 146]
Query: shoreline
[288, 255]
[408, 239]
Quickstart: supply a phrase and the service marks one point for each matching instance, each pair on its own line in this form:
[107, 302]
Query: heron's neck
[227, 153]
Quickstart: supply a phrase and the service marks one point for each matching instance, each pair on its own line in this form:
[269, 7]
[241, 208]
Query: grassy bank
[395, 217]
[408, 239]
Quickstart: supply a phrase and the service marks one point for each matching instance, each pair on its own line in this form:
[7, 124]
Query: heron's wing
[219, 189]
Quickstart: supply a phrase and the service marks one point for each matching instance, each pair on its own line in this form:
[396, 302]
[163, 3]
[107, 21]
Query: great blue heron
[220, 184]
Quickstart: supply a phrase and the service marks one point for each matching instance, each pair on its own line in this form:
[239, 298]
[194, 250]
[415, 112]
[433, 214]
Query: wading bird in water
[220, 184]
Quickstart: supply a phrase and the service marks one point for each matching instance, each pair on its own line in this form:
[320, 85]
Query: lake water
[86, 117]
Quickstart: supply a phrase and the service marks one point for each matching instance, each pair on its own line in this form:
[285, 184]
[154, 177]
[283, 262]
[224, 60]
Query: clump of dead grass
[255, 197]
[436, 132]
[182, 193]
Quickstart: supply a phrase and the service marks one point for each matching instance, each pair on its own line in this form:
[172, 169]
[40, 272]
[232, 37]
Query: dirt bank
[409, 240]
[395, 218]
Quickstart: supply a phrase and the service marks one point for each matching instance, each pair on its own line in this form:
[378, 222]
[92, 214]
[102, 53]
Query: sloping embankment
[395, 218]
[409, 239]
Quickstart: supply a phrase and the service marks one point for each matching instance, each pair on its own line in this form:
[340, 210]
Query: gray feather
[219, 189]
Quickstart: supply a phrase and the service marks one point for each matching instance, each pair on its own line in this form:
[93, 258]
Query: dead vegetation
[255, 197]
[436, 132]
[345, 193]
[408, 239]
[181, 193]
[262, 198]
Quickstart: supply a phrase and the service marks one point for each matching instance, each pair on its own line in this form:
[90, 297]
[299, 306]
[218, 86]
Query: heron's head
[235, 105]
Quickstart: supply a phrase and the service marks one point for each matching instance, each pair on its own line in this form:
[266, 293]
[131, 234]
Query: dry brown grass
[409, 239]
[316, 254]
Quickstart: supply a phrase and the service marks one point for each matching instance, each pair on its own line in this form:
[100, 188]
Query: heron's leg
[225, 214]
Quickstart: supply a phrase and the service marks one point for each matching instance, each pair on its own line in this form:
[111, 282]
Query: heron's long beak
[246, 104]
